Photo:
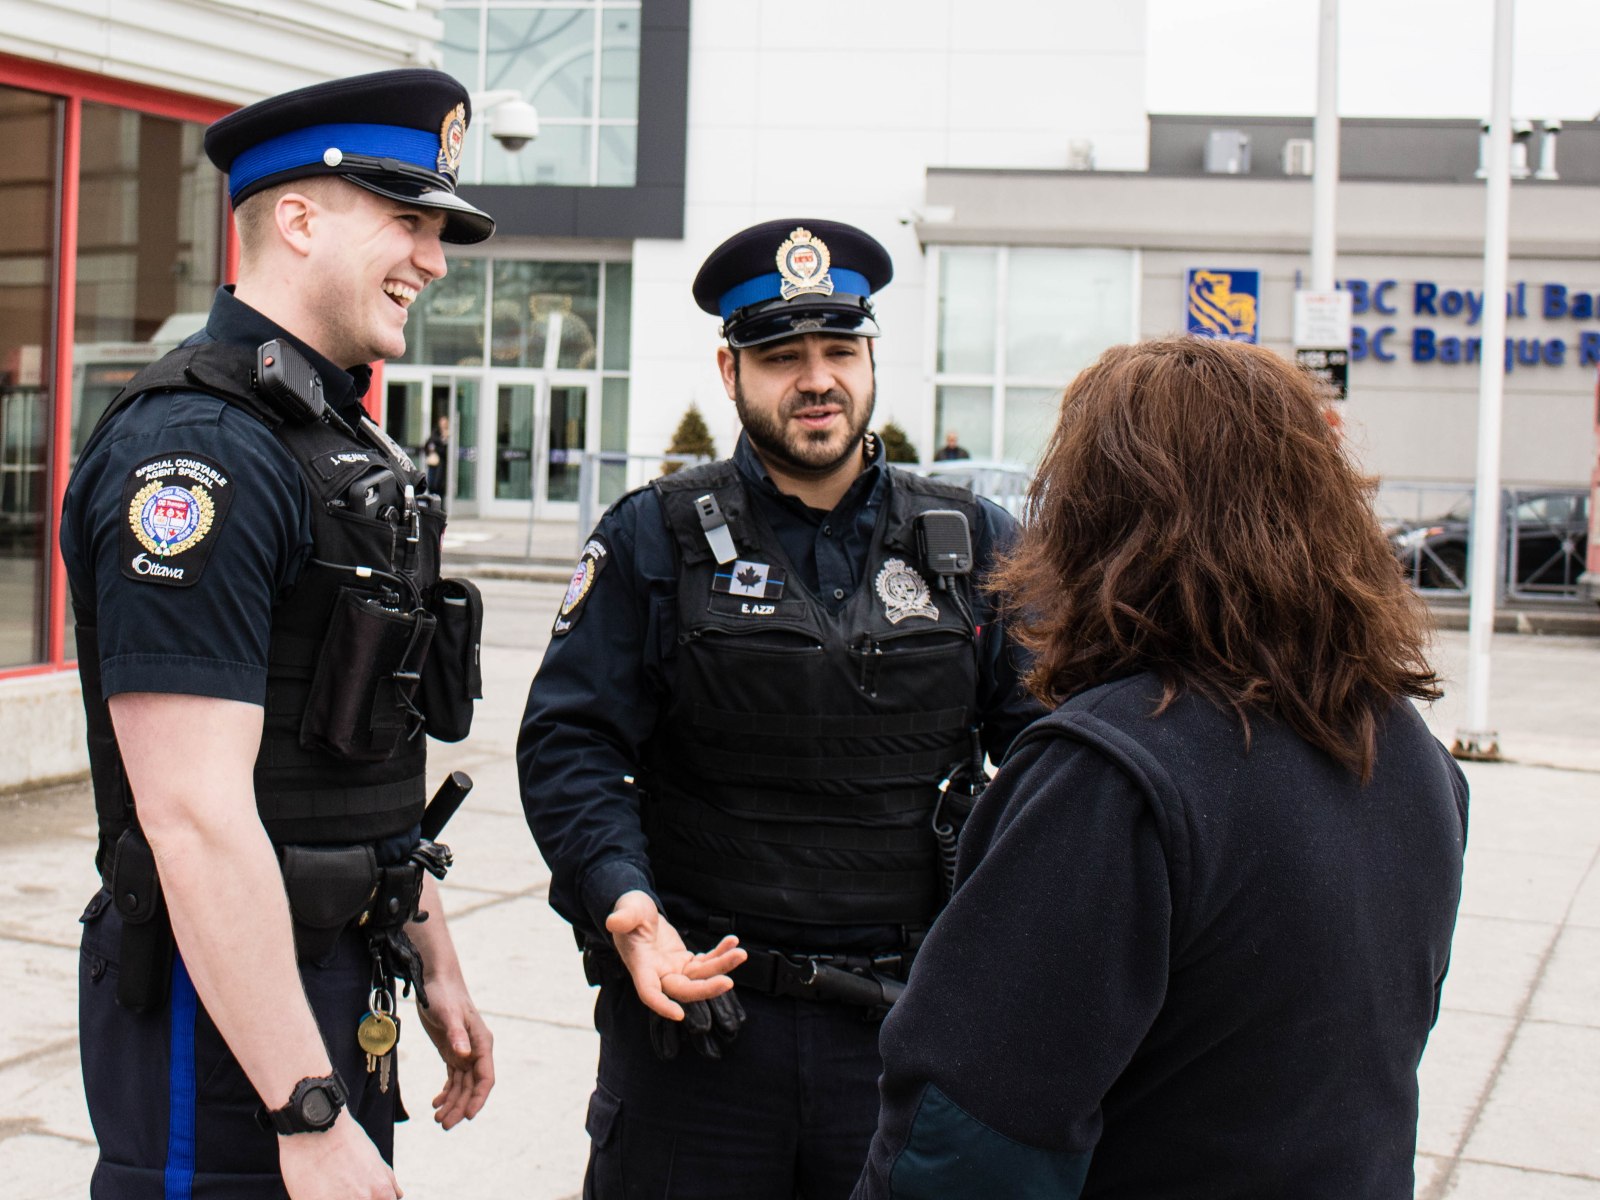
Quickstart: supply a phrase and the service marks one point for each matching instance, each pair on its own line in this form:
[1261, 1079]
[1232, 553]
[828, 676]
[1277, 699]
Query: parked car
[1545, 535]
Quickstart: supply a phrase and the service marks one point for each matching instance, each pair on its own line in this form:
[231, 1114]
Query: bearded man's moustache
[811, 401]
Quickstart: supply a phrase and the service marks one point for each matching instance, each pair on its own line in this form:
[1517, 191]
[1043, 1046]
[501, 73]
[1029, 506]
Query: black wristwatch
[313, 1106]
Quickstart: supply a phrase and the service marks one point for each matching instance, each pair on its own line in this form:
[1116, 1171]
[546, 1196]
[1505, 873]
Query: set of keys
[378, 1034]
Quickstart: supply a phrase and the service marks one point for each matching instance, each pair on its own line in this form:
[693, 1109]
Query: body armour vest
[308, 791]
[796, 767]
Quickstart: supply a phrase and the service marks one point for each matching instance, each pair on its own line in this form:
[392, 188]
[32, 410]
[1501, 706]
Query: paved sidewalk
[1510, 1105]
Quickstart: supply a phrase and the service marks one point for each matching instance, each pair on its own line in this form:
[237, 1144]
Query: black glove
[709, 1025]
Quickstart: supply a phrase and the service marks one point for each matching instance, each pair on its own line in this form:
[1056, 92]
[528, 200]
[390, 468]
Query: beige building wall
[1409, 418]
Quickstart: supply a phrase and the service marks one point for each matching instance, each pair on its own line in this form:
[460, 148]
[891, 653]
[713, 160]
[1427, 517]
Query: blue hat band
[770, 287]
[303, 147]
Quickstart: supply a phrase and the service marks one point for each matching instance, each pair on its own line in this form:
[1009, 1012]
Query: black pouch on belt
[144, 967]
[328, 887]
[361, 702]
[452, 678]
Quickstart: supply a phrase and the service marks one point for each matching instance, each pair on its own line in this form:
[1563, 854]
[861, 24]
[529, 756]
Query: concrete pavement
[1510, 1106]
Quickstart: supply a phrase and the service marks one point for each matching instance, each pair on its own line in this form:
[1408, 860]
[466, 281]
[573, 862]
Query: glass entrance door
[435, 416]
[541, 431]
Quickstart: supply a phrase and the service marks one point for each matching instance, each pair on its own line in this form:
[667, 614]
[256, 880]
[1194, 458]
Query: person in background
[1204, 911]
[436, 456]
[952, 448]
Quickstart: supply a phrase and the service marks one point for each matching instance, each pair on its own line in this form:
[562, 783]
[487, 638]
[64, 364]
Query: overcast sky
[1397, 58]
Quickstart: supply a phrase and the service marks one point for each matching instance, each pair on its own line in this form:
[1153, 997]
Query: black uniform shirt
[207, 637]
[597, 695]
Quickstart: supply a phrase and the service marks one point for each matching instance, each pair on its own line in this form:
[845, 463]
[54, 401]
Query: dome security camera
[513, 124]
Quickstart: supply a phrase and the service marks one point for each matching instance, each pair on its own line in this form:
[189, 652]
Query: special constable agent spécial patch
[173, 504]
[590, 563]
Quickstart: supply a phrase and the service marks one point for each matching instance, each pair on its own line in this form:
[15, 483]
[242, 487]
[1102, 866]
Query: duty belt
[873, 982]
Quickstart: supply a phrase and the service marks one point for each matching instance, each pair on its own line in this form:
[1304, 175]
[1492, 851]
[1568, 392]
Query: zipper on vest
[740, 640]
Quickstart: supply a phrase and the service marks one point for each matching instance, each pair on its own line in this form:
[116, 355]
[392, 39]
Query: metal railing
[630, 471]
[1540, 550]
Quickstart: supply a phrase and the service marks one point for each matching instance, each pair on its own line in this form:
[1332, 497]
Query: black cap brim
[464, 224]
[792, 318]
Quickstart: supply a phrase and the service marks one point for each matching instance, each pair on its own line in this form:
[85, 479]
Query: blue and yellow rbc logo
[1223, 304]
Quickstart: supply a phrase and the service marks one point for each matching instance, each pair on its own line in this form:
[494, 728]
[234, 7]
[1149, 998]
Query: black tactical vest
[305, 794]
[795, 769]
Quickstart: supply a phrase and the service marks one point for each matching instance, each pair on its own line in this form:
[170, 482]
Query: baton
[444, 804]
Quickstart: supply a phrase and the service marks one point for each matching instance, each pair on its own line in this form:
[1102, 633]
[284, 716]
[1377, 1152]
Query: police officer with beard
[254, 567]
[768, 682]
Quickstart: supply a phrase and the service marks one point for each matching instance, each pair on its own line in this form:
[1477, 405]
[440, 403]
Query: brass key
[378, 1034]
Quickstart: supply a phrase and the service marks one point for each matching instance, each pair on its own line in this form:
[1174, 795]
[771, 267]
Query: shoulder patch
[590, 563]
[173, 506]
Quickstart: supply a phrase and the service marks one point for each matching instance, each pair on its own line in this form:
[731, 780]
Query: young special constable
[209, 532]
[766, 646]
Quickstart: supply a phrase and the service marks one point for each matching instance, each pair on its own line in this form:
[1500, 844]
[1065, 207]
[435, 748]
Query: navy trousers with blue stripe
[172, 1110]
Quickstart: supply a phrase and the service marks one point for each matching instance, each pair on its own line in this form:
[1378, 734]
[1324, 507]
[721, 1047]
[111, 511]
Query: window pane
[29, 128]
[547, 54]
[619, 316]
[1063, 307]
[514, 441]
[965, 411]
[569, 421]
[445, 327]
[619, 156]
[459, 47]
[532, 299]
[619, 63]
[966, 311]
[560, 154]
[1030, 418]
[613, 434]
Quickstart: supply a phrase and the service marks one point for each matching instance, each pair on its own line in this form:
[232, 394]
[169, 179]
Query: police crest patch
[590, 563]
[904, 593]
[803, 263]
[172, 506]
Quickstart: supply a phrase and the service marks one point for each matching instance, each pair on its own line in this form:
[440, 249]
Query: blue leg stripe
[181, 1087]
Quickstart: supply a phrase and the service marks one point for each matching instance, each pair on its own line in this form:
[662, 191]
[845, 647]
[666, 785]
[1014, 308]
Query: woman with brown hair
[1204, 911]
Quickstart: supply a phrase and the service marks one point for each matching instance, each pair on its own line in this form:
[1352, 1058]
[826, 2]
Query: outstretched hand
[663, 970]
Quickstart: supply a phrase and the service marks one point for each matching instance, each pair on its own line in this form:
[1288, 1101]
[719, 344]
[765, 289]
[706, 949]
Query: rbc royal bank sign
[1548, 325]
[1224, 303]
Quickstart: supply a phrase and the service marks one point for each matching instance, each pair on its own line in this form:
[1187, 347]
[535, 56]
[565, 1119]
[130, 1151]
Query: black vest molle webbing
[795, 768]
[303, 795]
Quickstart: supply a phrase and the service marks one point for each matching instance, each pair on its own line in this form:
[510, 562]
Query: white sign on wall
[1322, 319]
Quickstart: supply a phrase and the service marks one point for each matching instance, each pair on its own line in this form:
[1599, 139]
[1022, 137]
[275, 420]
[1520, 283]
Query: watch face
[316, 1108]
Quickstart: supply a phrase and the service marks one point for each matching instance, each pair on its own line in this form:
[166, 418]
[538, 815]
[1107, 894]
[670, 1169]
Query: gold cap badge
[803, 263]
[452, 134]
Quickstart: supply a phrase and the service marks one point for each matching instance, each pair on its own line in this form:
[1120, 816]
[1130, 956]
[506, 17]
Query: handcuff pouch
[328, 887]
[361, 702]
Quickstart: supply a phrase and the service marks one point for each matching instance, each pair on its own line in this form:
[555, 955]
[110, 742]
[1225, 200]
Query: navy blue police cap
[784, 278]
[397, 133]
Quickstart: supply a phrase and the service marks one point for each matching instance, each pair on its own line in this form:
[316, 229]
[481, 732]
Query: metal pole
[1325, 139]
[1476, 739]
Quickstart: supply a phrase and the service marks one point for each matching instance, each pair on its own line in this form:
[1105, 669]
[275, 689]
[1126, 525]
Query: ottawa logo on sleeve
[590, 563]
[173, 504]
